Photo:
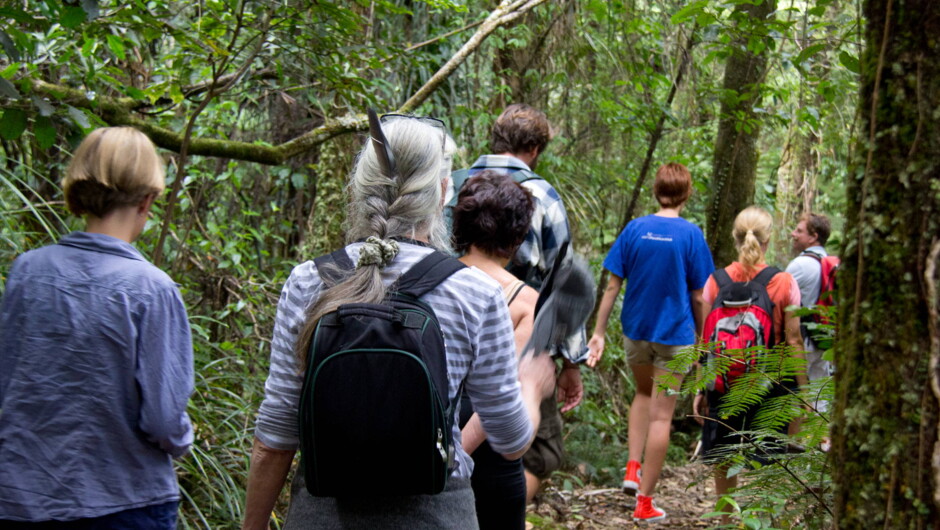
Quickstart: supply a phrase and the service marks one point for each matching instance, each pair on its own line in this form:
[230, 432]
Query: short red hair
[673, 185]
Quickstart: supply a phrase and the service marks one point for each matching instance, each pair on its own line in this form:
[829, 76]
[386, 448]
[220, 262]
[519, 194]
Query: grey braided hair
[382, 208]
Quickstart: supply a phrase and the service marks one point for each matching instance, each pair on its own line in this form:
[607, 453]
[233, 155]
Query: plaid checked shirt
[548, 231]
[549, 228]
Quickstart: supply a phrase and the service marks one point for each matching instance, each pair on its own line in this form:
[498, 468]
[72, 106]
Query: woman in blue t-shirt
[665, 262]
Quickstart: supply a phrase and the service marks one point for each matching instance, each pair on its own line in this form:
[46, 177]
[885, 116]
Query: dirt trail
[685, 493]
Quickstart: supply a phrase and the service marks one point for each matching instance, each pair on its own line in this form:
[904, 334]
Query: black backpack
[374, 400]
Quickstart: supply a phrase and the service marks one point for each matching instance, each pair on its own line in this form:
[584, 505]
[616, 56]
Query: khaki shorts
[547, 452]
[644, 352]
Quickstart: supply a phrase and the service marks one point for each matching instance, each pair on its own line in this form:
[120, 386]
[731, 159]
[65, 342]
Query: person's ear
[143, 207]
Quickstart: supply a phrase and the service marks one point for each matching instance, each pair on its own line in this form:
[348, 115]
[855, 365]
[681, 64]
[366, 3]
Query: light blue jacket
[96, 368]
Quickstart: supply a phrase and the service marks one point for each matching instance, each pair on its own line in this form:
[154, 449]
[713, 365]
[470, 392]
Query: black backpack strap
[721, 278]
[428, 273]
[461, 176]
[334, 267]
[764, 276]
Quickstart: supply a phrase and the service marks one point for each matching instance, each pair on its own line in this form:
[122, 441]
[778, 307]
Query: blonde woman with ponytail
[394, 221]
[752, 230]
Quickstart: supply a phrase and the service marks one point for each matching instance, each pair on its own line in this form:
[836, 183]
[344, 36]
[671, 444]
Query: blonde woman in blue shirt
[97, 358]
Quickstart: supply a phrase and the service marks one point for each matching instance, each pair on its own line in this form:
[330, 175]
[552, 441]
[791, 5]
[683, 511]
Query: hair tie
[377, 251]
[749, 231]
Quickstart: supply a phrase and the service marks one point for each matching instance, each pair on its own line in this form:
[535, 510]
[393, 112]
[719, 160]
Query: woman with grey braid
[395, 220]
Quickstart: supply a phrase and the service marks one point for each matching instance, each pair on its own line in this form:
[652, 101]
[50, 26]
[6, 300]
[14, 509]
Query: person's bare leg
[662, 407]
[638, 426]
[532, 484]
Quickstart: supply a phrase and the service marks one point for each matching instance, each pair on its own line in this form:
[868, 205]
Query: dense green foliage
[219, 82]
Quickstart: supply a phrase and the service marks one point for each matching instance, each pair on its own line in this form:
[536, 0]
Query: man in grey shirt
[809, 238]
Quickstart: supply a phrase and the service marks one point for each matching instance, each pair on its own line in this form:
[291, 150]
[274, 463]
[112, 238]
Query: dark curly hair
[493, 213]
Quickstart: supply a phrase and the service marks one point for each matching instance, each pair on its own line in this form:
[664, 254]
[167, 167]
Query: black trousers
[498, 485]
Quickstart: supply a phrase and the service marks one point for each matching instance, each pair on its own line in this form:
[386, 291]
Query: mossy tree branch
[120, 111]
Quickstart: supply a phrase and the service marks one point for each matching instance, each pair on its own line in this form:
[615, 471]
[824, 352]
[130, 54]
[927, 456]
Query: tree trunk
[885, 443]
[796, 177]
[796, 186]
[735, 164]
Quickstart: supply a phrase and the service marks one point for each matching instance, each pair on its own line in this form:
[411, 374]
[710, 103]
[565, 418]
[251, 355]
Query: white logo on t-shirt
[656, 237]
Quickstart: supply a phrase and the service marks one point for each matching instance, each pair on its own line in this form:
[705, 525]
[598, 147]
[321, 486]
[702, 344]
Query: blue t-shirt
[662, 259]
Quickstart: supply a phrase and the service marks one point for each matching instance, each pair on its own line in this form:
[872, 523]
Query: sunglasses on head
[380, 142]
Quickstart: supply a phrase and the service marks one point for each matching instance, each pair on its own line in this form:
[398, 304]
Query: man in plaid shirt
[519, 136]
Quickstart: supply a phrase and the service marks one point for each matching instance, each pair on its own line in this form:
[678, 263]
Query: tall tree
[885, 436]
[735, 163]
[795, 185]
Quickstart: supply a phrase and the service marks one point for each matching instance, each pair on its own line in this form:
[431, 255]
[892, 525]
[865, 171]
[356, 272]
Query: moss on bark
[886, 414]
[735, 164]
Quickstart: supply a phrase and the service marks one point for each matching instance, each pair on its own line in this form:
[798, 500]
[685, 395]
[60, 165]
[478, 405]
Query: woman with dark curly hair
[491, 220]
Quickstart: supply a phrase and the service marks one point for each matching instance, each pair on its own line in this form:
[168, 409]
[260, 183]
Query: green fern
[785, 480]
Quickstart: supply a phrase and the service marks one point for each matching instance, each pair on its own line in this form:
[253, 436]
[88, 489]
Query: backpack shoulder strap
[459, 178]
[428, 273]
[522, 175]
[721, 278]
[763, 277]
[334, 267]
[810, 253]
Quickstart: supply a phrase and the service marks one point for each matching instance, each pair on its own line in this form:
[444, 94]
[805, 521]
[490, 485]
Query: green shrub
[791, 489]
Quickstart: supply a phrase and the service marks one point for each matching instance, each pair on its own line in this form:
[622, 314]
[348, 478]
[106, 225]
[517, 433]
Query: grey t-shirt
[478, 339]
[807, 272]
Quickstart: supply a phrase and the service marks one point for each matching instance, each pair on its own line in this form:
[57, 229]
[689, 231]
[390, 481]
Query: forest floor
[685, 493]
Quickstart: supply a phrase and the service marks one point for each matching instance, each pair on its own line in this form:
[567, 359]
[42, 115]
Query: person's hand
[700, 408]
[537, 372]
[570, 388]
[595, 349]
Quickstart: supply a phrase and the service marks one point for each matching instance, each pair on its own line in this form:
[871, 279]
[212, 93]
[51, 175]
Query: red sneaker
[646, 510]
[631, 479]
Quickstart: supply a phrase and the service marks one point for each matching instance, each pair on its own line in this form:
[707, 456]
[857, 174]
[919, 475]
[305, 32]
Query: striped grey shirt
[478, 339]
